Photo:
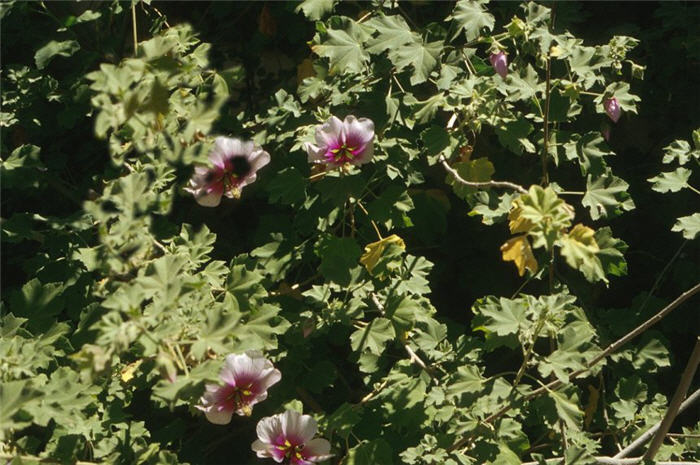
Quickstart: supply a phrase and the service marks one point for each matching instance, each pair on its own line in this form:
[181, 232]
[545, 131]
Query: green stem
[133, 26]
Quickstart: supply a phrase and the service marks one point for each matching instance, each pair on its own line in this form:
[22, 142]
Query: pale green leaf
[607, 196]
[671, 181]
[471, 17]
[688, 225]
[45, 54]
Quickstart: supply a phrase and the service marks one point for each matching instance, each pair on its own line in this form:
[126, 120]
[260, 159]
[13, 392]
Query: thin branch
[650, 432]
[611, 461]
[545, 145]
[609, 350]
[414, 357]
[133, 27]
[674, 406]
[480, 185]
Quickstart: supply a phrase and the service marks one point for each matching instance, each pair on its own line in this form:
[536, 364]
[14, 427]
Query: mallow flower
[499, 61]
[612, 108]
[246, 378]
[339, 142]
[236, 164]
[288, 437]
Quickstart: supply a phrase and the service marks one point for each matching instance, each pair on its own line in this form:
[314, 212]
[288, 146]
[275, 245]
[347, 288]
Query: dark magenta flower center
[240, 166]
[342, 154]
[291, 449]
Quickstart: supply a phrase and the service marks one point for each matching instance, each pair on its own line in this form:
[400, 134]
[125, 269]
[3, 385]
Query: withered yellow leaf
[374, 250]
[516, 222]
[305, 69]
[518, 250]
[128, 371]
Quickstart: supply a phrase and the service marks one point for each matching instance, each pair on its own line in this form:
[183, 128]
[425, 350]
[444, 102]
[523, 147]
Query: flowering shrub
[444, 254]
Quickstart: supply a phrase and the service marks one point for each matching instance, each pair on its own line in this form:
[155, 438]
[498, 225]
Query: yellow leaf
[592, 404]
[517, 249]
[305, 69]
[516, 222]
[129, 370]
[373, 251]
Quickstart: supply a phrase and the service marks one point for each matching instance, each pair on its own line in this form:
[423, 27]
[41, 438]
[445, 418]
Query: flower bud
[499, 61]
[612, 108]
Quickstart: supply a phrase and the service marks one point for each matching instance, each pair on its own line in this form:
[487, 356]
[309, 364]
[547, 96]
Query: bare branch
[650, 432]
[480, 185]
[681, 391]
[611, 461]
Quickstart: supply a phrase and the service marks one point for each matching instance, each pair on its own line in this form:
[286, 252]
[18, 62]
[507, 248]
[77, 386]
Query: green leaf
[471, 17]
[425, 110]
[580, 250]
[422, 56]
[672, 181]
[688, 225]
[523, 85]
[502, 316]
[680, 150]
[590, 150]
[393, 33]
[40, 302]
[373, 337]
[376, 451]
[315, 9]
[513, 135]
[45, 54]
[287, 187]
[607, 196]
[467, 379]
[611, 252]
[345, 52]
[567, 409]
[338, 256]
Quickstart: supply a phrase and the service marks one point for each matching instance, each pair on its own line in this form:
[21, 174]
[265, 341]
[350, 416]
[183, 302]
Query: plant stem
[374, 225]
[133, 26]
[548, 91]
[414, 357]
[674, 406]
[480, 185]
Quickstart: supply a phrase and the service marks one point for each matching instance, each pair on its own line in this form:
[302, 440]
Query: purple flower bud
[499, 61]
[612, 108]
[339, 142]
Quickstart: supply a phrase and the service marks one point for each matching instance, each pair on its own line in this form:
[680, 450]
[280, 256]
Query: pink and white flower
[612, 108]
[246, 378]
[289, 436]
[499, 61]
[236, 164]
[339, 142]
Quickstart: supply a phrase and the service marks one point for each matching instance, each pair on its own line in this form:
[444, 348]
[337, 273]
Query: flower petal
[208, 200]
[300, 427]
[257, 159]
[317, 449]
[315, 153]
[358, 129]
[219, 416]
[269, 428]
[330, 132]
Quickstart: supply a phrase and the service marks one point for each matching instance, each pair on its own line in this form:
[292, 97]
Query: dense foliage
[530, 199]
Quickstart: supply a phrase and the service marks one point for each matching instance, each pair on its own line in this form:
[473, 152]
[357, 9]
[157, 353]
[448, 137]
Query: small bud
[499, 61]
[612, 108]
